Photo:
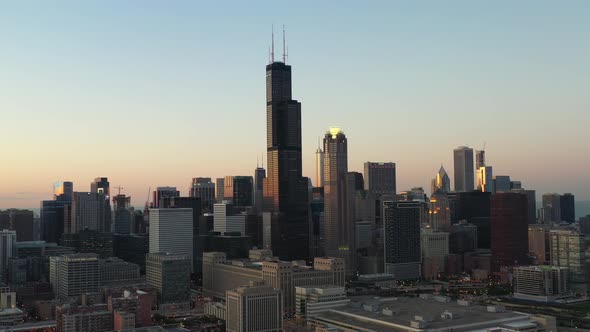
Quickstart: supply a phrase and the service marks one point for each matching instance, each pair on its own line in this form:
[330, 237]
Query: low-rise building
[541, 283]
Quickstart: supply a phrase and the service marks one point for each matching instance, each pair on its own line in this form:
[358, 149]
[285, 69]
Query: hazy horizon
[150, 95]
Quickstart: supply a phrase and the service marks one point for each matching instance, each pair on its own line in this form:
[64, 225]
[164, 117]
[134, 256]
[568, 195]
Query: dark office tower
[509, 229]
[357, 180]
[464, 174]
[204, 189]
[480, 159]
[63, 191]
[52, 220]
[532, 207]
[285, 190]
[163, 192]
[441, 182]
[338, 224]
[259, 176]
[401, 223]
[219, 187]
[317, 222]
[502, 183]
[121, 205]
[88, 211]
[551, 208]
[380, 178]
[239, 190]
[21, 221]
[474, 207]
[567, 208]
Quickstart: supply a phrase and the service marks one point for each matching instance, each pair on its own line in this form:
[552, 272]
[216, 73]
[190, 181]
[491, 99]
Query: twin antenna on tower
[271, 51]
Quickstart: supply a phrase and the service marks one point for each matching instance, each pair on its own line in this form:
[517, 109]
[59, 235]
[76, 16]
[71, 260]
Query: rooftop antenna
[272, 51]
[269, 54]
[284, 46]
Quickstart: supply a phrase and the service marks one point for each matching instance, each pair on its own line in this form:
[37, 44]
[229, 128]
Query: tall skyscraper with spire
[441, 182]
[319, 167]
[285, 190]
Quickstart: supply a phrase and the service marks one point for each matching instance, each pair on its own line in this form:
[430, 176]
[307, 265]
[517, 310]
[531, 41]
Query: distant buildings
[227, 220]
[502, 184]
[568, 249]
[254, 308]
[20, 221]
[89, 212]
[552, 208]
[435, 249]
[380, 178]
[568, 208]
[121, 205]
[204, 189]
[7, 249]
[401, 222]
[485, 180]
[319, 167]
[259, 176]
[441, 182]
[439, 213]
[464, 175]
[239, 191]
[163, 192]
[63, 191]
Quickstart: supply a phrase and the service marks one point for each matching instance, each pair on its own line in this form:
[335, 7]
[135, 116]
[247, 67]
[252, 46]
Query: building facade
[464, 174]
[170, 275]
[254, 308]
[401, 222]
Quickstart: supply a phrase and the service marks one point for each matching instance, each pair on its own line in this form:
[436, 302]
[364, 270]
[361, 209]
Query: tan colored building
[254, 308]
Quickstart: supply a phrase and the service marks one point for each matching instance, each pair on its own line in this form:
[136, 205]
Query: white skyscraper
[171, 230]
[224, 221]
[7, 248]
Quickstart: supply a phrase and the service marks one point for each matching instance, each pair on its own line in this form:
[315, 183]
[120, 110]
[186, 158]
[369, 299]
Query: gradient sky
[153, 93]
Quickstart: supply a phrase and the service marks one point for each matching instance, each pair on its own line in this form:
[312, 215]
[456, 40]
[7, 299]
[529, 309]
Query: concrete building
[226, 219]
[220, 275]
[254, 308]
[541, 283]
[117, 270]
[551, 208]
[568, 249]
[427, 313]
[170, 275]
[171, 230]
[134, 301]
[401, 222]
[93, 318]
[310, 301]
[380, 178]
[464, 174]
[435, 249]
[74, 274]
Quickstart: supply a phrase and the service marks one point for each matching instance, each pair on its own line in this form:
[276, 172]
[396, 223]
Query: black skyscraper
[568, 208]
[285, 190]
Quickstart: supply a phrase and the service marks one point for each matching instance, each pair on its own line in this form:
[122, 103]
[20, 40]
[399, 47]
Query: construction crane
[119, 189]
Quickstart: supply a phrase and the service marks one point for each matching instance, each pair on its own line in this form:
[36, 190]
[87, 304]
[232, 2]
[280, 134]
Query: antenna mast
[272, 52]
[284, 45]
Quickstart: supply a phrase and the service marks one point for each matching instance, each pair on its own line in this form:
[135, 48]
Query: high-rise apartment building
[464, 175]
[254, 308]
[567, 208]
[539, 243]
[541, 283]
[89, 211]
[441, 182]
[171, 230]
[401, 223]
[204, 189]
[339, 240]
[509, 229]
[568, 249]
[170, 274]
[74, 274]
[285, 189]
[380, 178]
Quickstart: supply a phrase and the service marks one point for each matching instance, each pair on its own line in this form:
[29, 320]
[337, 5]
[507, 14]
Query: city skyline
[170, 110]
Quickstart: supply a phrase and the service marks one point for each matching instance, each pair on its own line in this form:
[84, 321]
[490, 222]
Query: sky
[154, 93]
